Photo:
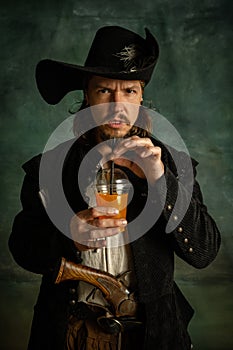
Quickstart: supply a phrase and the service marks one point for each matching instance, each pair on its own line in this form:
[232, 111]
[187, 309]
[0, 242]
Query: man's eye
[131, 91]
[104, 91]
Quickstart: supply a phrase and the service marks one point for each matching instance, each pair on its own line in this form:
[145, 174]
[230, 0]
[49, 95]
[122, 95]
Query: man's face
[116, 104]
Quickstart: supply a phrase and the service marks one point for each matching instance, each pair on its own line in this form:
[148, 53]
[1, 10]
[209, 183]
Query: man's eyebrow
[132, 86]
[102, 86]
[106, 86]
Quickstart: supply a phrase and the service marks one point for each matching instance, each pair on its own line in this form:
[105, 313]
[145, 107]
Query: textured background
[191, 87]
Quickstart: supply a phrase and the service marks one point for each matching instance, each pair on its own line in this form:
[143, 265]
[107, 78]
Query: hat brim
[55, 79]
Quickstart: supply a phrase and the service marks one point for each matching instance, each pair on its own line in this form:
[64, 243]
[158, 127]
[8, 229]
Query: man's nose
[116, 107]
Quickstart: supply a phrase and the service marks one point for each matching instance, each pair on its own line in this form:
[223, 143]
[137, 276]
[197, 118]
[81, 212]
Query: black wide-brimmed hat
[116, 53]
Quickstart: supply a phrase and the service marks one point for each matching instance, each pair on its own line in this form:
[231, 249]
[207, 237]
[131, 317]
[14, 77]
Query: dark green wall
[191, 87]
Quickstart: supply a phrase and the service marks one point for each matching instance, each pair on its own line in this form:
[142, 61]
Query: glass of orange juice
[111, 190]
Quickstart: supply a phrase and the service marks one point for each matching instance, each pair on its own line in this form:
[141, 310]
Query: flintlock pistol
[123, 305]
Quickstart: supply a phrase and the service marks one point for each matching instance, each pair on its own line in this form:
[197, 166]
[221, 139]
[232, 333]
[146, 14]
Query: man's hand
[89, 228]
[146, 158]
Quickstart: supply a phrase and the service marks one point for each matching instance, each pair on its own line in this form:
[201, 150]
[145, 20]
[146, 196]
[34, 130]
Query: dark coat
[36, 244]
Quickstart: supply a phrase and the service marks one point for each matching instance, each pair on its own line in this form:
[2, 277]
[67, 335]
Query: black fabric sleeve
[35, 243]
[190, 228]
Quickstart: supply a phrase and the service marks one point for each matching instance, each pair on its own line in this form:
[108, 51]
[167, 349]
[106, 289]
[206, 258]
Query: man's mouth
[116, 123]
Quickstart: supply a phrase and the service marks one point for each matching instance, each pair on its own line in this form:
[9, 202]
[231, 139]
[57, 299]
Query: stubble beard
[103, 134]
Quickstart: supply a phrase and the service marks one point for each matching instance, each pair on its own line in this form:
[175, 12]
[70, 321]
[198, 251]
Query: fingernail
[112, 211]
[101, 239]
[123, 222]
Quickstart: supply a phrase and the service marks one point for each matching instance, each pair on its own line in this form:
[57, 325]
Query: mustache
[117, 116]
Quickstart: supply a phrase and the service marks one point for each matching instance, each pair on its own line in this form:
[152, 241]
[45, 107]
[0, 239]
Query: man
[118, 67]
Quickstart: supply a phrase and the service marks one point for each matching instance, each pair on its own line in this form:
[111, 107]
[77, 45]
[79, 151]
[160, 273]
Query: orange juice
[118, 201]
